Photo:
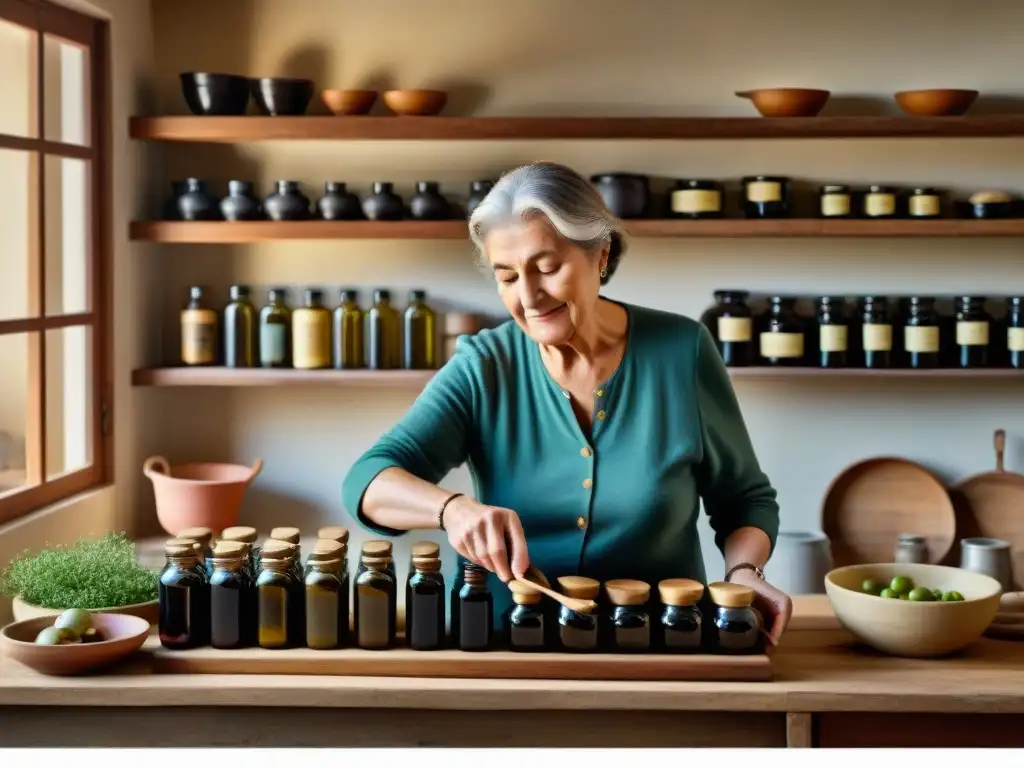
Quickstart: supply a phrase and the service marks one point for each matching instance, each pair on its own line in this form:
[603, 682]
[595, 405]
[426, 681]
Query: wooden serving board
[403, 662]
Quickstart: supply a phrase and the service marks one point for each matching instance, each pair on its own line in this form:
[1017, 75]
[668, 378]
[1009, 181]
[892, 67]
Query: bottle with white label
[972, 332]
[1015, 332]
[875, 332]
[276, 331]
[765, 197]
[921, 333]
[833, 332]
[781, 341]
[731, 324]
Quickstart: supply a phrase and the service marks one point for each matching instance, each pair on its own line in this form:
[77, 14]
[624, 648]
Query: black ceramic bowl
[282, 95]
[208, 93]
[627, 195]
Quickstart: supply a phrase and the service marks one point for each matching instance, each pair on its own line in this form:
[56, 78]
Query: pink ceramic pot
[198, 493]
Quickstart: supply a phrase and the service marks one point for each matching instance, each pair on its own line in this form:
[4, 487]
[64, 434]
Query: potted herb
[99, 575]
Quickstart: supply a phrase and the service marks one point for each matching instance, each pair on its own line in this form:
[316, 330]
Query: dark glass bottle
[232, 598]
[472, 611]
[782, 334]
[184, 599]
[833, 332]
[373, 603]
[765, 197]
[276, 330]
[875, 332]
[198, 331]
[921, 338]
[682, 625]
[326, 608]
[246, 535]
[311, 333]
[276, 600]
[420, 333]
[525, 621]
[240, 329]
[629, 623]
[425, 605]
[732, 327]
[1015, 332]
[577, 632]
[348, 333]
[737, 625]
[383, 331]
[972, 332]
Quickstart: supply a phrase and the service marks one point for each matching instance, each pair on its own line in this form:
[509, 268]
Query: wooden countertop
[816, 670]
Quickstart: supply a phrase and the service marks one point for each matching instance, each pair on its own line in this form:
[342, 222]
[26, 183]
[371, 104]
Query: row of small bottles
[878, 332]
[236, 595]
[311, 336]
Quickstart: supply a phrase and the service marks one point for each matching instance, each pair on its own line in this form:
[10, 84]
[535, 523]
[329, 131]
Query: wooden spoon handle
[1000, 442]
[557, 596]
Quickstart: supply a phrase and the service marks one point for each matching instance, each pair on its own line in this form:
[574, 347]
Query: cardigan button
[587, 483]
[601, 415]
[585, 452]
[599, 393]
[581, 523]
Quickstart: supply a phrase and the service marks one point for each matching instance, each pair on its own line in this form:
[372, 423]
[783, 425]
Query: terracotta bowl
[787, 102]
[936, 102]
[198, 493]
[125, 634]
[348, 102]
[149, 611]
[415, 102]
[906, 628]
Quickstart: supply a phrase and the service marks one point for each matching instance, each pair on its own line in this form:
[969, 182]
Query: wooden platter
[404, 662]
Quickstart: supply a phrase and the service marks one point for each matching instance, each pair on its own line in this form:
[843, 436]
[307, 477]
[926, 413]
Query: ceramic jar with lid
[682, 625]
[627, 195]
[991, 204]
[428, 204]
[525, 621]
[696, 199]
[835, 201]
[765, 197]
[241, 203]
[338, 204]
[924, 203]
[911, 548]
[880, 202]
[578, 632]
[383, 204]
[629, 624]
[781, 340]
[287, 203]
[737, 624]
[195, 203]
[731, 324]
[833, 332]
[972, 332]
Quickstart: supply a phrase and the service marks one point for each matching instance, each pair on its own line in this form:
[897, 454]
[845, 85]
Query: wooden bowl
[787, 102]
[125, 634]
[907, 628]
[348, 102]
[936, 102]
[415, 102]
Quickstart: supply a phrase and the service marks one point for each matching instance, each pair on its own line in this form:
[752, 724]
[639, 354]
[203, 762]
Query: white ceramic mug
[800, 561]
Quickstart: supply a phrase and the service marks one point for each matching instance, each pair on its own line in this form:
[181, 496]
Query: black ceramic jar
[578, 632]
[241, 203]
[195, 202]
[477, 192]
[383, 204]
[627, 195]
[338, 204]
[428, 204]
[629, 622]
[765, 197]
[287, 203]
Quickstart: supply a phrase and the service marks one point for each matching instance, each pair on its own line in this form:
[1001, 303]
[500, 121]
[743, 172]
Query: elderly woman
[592, 428]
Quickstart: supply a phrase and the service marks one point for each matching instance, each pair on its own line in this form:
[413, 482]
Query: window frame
[43, 18]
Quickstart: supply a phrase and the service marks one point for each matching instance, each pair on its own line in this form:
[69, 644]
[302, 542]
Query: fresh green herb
[92, 573]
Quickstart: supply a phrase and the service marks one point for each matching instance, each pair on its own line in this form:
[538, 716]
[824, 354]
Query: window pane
[17, 80]
[14, 409]
[19, 232]
[69, 399]
[67, 236]
[66, 89]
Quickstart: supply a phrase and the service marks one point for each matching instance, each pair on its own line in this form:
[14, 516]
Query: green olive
[904, 596]
[76, 620]
[937, 594]
[901, 585]
[921, 595]
[49, 636]
[870, 586]
[888, 594]
[952, 597]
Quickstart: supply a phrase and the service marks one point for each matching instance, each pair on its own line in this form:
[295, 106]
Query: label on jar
[877, 337]
[764, 191]
[924, 205]
[1015, 339]
[696, 200]
[835, 205]
[782, 344]
[273, 350]
[972, 333]
[735, 329]
[921, 338]
[311, 339]
[198, 336]
[880, 204]
[833, 338]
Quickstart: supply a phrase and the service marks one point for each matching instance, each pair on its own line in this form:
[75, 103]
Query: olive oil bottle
[240, 329]
[198, 331]
[326, 607]
[276, 596]
[348, 332]
[383, 332]
[276, 331]
[311, 333]
[420, 333]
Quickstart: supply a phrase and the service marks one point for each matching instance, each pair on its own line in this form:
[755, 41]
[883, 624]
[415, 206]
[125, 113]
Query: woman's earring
[604, 273]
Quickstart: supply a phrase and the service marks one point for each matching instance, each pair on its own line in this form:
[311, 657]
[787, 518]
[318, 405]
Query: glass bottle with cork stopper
[425, 601]
[276, 599]
[426, 549]
[472, 611]
[326, 607]
[246, 535]
[200, 565]
[737, 625]
[285, 550]
[525, 620]
[682, 624]
[183, 598]
[204, 537]
[290, 535]
[629, 622]
[329, 549]
[199, 344]
[578, 631]
[232, 598]
[373, 601]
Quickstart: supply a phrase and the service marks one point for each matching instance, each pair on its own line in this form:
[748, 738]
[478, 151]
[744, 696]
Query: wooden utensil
[572, 603]
[787, 102]
[991, 504]
[870, 503]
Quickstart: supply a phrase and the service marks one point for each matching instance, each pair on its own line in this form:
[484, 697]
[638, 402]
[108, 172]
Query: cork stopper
[627, 591]
[425, 549]
[336, 533]
[376, 563]
[680, 592]
[324, 550]
[178, 546]
[579, 586]
[474, 574]
[201, 534]
[326, 566]
[229, 549]
[377, 548]
[291, 535]
[729, 595]
[275, 564]
[523, 593]
[276, 549]
[426, 564]
[239, 533]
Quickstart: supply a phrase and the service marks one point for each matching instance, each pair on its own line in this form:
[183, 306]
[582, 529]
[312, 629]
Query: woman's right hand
[488, 536]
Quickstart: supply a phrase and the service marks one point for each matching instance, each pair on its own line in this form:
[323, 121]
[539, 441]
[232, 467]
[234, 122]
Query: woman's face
[548, 284]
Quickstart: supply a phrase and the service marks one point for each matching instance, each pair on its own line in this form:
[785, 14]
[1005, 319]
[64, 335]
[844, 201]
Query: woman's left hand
[774, 605]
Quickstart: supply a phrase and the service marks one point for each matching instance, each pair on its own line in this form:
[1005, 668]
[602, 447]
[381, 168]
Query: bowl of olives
[75, 642]
[913, 609]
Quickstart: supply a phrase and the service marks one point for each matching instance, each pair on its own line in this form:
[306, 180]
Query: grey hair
[568, 201]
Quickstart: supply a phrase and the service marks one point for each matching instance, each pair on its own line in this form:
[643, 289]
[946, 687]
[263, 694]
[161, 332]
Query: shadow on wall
[266, 508]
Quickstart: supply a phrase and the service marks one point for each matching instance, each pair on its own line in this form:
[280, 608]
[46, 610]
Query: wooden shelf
[415, 380]
[254, 128]
[261, 231]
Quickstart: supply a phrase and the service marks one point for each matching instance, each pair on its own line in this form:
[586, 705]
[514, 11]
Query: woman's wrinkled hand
[774, 605]
[488, 536]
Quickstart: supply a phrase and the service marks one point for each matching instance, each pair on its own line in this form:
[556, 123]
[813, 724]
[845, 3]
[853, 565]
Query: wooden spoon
[572, 603]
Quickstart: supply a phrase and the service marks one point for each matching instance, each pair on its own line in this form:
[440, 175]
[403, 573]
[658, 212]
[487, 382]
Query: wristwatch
[750, 566]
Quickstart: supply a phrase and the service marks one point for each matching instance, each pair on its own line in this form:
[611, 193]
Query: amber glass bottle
[875, 332]
[420, 334]
[782, 334]
[383, 332]
[232, 598]
[349, 338]
[276, 331]
[972, 332]
[275, 588]
[240, 329]
[577, 632]
[921, 337]
[425, 605]
[833, 332]
[184, 599]
[326, 614]
[373, 602]
[629, 623]
[473, 611]
[311, 333]
[198, 331]
[525, 620]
